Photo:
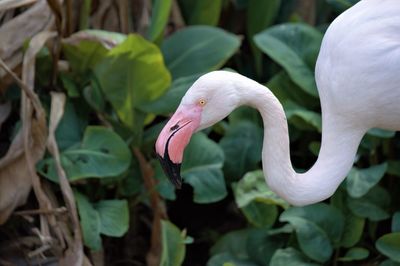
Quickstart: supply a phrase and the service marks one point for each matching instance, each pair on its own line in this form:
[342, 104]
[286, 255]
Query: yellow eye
[202, 102]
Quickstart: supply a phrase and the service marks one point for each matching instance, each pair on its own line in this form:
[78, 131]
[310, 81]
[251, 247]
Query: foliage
[122, 87]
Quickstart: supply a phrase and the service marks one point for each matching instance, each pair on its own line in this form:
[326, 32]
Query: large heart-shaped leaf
[360, 181]
[198, 49]
[126, 76]
[102, 153]
[242, 144]
[295, 47]
[389, 245]
[318, 227]
[173, 245]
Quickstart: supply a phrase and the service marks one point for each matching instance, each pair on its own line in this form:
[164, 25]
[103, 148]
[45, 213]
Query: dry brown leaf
[123, 9]
[15, 32]
[15, 181]
[111, 21]
[74, 253]
[96, 20]
[9, 4]
[79, 36]
[28, 117]
[17, 168]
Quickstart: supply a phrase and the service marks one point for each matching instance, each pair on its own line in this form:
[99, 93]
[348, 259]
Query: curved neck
[338, 149]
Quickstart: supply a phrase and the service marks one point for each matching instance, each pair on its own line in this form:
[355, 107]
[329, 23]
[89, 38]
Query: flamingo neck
[338, 149]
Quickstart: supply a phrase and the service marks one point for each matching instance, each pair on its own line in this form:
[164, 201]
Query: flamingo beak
[173, 139]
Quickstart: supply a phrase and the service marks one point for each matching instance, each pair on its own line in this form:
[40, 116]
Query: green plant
[120, 90]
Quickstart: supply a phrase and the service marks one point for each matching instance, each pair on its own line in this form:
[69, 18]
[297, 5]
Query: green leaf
[201, 12]
[353, 230]
[393, 168]
[70, 130]
[290, 257]
[252, 187]
[242, 144]
[261, 245]
[396, 222]
[342, 5]
[94, 96]
[90, 222]
[126, 76]
[227, 259]
[234, 242]
[198, 49]
[372, 205]
[295, 47]
[202, 169]
[301, 118]
[102, 153]
[84, 55]
[353, 225]
[169, 101]
[85, 14]
[318, 227]
[389, 245]
[260, 15]
[159, 18]
[360, 181]
[260, 214]
[173, 245]
[285, 90]
[355, 254]
[389, 263]
[381, 133]
[245, 113]
[114, 217]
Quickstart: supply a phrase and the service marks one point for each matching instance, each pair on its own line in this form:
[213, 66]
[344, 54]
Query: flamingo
[358, 78]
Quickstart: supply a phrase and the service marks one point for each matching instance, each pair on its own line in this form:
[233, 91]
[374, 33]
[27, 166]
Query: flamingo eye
[202, 102]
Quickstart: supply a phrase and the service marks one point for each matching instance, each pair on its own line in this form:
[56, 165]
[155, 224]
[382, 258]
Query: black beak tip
[172, 170]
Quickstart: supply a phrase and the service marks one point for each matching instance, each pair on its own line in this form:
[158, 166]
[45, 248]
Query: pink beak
[173, 139]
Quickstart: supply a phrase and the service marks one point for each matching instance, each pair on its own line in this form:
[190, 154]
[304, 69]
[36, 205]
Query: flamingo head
[210, 99]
